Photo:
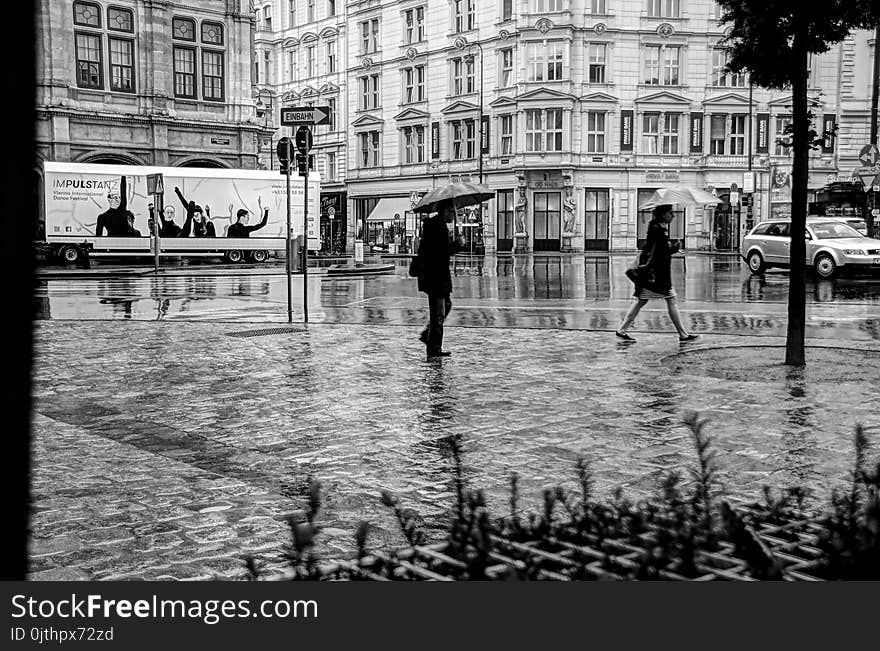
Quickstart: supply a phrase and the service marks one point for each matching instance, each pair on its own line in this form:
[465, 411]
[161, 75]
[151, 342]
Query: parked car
[856, 222]
[832, 245]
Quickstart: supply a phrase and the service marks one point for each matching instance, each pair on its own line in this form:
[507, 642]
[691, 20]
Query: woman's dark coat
[656, 255]
[435, 249]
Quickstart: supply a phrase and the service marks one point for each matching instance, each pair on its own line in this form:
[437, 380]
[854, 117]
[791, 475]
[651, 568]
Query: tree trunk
[794, 342]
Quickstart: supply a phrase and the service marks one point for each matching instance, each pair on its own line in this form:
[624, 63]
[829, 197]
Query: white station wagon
[832, 245]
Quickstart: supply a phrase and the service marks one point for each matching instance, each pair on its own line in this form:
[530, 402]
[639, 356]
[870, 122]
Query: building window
[545, 61]
[310, 11]
[662, 65]
[505, 78]
[650, 133]
[663, 8]
[212, 33]
[543, 130]
[331, 57]
[463, 139]
[291, 13]
[331, 166]
[597, 63]
[541, 6]
[717, 134]
[506, 134]
[310, 61]
[331, 8]
[370, 36]
[121, 64]
[120, 20]
[413, 144]
[596, 132]
[720, 76]
[86, 14]
[464, 14]
[331, 119]
[737, 135]
[89, 67]
[267, 67]
[669, 135]
[597, 7]
[506, 9]
[291, 63]
[370, 92]
[368, 144]
[414, 25]
[783, 140]
[184, 72]
[267, 18]
[504, 212]
[212, 75]
[463, 78]
[183, 29]
[414, 84]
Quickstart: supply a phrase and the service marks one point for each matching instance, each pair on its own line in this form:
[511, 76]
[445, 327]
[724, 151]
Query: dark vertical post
[20, 217]
[288, 241]
[305, 256]
[875, 95]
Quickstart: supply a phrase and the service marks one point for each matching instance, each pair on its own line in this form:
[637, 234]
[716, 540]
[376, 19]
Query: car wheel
[234, 256]
[756, 263]
[71, 254]
[825, 266]
[259, 256]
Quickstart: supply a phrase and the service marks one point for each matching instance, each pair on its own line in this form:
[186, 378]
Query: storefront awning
[388, 207]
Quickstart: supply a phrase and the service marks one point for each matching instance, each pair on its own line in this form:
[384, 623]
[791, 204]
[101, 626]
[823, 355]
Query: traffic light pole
[305, 255]
[287, 255]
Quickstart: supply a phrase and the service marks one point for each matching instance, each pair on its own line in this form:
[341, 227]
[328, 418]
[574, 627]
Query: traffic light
[304, 163]
[284, 168]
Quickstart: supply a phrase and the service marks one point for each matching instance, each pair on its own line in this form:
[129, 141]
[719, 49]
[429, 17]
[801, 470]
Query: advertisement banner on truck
[92, 201]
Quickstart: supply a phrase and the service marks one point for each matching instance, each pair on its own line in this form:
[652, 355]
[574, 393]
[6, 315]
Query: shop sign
[216, 140]
[829, 124]
[544, 180]
[661, 176]
[626, 130]
[763, 134]
[696, 133]
[484, 135]
[435, 140]
[749, 182]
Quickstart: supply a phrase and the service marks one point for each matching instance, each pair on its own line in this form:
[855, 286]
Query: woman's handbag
[640, 274]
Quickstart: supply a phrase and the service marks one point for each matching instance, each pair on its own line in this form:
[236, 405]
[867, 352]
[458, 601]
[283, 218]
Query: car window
[775, 229]
[832, 230]
[761, 229]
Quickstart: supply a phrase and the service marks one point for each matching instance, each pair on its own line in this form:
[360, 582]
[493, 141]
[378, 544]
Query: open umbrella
[462, 194]
[681, 195]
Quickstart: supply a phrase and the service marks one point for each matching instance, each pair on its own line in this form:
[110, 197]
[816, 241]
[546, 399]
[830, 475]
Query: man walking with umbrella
[435, 250]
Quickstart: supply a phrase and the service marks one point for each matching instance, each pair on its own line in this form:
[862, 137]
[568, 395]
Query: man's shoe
[439, 353]
[423, 337]
[690, 337]
[623, 335]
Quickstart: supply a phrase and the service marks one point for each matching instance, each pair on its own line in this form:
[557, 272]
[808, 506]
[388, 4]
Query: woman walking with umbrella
[653, 275]
[431, 265]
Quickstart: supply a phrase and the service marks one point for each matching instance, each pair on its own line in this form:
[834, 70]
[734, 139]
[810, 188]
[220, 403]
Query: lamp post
[266, 111]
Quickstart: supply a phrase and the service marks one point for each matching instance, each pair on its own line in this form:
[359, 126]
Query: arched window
[204, 58]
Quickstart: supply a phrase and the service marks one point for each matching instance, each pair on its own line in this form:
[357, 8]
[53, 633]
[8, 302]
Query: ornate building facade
[574, 111]
[147, 82]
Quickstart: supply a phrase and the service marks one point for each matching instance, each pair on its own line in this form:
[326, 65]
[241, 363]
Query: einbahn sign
[291, 116]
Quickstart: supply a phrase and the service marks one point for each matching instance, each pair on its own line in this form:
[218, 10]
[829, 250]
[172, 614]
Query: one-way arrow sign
[291, 116]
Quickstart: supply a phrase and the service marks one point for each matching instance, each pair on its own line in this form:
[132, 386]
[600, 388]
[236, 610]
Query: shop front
[333, 222]
[385, 225]
[840, 198]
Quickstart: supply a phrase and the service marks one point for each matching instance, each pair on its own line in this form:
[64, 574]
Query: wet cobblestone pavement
[169, 450]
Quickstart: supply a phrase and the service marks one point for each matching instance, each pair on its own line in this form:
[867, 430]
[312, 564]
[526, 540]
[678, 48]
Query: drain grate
[265, 332]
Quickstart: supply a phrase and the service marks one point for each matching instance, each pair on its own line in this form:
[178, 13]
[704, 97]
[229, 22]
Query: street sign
[303, 139]
[305, 115]
[734, 198]
[875, 212]
[869, 155]
[331, 212]
[749, 182]
[155, 184]
[734, 187]
[283, 151]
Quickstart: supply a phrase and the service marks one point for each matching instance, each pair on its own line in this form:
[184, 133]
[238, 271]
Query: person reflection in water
[240, 228]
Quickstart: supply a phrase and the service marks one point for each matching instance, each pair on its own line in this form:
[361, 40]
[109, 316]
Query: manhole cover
[264, 332]
[765, 364]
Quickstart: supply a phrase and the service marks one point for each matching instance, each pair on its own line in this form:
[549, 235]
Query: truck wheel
[234, 256]
[70, 254]
[259, 255]
[825, 266]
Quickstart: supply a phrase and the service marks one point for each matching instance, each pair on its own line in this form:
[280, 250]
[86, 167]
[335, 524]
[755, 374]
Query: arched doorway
[202, 162]
[109, 158]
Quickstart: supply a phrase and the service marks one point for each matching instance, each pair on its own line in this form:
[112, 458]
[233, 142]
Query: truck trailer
[107, 210]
